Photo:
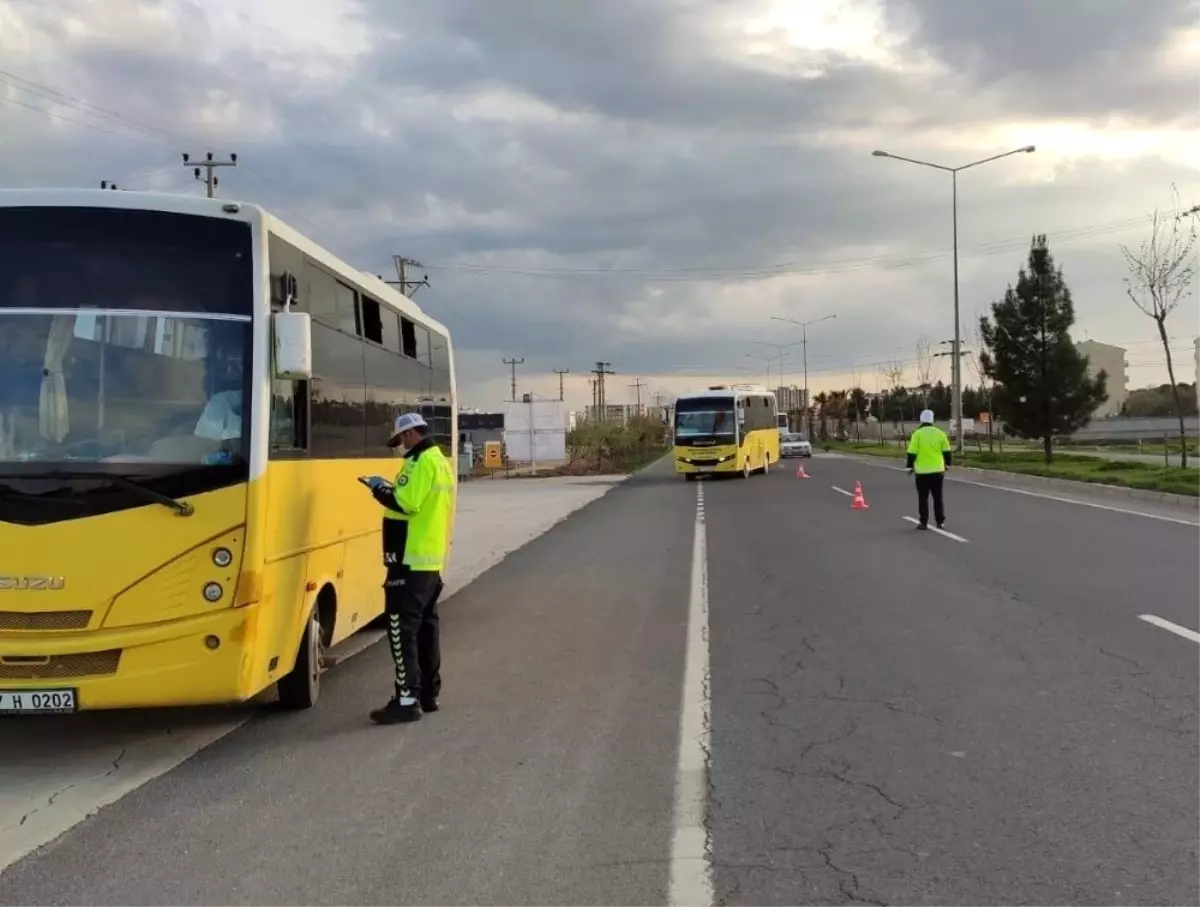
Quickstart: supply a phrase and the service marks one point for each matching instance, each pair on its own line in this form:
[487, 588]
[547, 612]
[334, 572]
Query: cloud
[646, 182]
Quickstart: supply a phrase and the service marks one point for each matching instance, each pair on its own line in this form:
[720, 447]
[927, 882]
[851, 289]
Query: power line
[402, 265]
[637, 386]
[561, 388]
[837, 266]
[513, 363]
[602, 370]
[209, 165]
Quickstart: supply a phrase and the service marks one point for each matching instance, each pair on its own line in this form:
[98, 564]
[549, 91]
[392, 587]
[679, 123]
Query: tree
[893, 374]
[1044, 389]
[924, 367]
[1160, 276]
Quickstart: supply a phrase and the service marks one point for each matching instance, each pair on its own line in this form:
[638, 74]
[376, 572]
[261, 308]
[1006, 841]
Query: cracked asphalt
[900, 718]
[896, 718]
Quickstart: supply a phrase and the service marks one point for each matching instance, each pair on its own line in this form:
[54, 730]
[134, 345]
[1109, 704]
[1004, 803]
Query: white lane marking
[848, 494]
[691, 844]
[949, 535]
[1170, 627]
[1038, 494]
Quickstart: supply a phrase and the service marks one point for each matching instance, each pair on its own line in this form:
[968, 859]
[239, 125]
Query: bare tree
[1160, 276]
[893, 374]
[924, 367]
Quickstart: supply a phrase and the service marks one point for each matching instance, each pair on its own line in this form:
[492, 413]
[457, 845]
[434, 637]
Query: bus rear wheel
[301, 688]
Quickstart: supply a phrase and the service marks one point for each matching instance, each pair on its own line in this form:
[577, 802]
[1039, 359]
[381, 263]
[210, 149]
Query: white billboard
[536, 431]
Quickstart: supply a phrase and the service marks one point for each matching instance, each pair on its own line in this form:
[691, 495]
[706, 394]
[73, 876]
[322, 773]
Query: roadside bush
[598, 448]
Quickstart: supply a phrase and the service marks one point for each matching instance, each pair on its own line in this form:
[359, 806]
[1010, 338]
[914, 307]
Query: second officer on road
[928, 457]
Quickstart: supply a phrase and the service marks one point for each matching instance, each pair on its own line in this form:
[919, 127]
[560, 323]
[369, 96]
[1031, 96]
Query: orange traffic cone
[859, 503]
[800, 473]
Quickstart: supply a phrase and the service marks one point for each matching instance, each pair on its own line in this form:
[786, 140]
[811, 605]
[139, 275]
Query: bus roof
[727, 390]
[226, 209]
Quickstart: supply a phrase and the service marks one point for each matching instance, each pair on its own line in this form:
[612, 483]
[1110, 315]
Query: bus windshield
[705, 421]
[126, 338]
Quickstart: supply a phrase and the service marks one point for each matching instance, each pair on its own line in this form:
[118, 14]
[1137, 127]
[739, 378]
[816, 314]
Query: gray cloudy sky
[646, 181]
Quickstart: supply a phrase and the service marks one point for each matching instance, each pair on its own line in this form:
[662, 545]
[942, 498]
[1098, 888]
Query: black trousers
[930, 483]
[411, 601]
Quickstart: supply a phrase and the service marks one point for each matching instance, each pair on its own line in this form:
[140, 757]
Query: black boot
[430, 705]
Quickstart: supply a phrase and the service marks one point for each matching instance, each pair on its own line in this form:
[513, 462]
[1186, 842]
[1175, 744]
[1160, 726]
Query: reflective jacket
[928, 450]
[419, 507]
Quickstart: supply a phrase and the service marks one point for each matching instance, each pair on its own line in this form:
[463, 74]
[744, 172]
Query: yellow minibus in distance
[188, 392]
[726, 429]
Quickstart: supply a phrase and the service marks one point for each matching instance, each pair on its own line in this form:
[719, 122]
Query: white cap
[926, 417]
[406, 422]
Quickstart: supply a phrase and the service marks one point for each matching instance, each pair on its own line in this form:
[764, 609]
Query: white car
[794, 445]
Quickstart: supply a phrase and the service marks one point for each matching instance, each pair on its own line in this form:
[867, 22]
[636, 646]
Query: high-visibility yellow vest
[424, 493]
[927, 444]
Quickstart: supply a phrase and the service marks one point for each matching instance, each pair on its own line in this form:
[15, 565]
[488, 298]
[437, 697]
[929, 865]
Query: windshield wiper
[180, 507]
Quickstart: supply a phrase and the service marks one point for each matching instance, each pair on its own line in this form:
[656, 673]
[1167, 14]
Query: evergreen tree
[1044, 389]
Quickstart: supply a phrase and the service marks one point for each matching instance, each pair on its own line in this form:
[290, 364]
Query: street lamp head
[1029, 149]
[879, 153]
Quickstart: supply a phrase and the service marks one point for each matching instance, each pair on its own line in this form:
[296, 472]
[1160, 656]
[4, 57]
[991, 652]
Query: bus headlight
[213, 592]
[222, 557]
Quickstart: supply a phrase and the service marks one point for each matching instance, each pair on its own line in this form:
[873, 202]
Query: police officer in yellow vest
[418, 507]
[928, 457]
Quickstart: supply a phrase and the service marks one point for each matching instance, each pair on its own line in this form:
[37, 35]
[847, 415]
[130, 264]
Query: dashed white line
[848, 494]
[949, 535]
[1170, 627]
[691, 845]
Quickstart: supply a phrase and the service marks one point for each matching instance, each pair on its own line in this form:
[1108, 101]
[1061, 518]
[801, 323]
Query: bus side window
[289, 415]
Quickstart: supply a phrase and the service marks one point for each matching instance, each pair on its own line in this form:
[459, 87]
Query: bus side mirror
[293, 345]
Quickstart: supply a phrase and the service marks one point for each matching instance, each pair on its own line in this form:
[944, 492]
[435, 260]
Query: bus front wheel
[746, 470]
[301, 688]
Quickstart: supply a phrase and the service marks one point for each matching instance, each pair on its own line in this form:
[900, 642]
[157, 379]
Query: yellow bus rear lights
[222, 557]
[213, 592]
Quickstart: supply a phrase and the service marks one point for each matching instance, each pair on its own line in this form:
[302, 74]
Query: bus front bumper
[691, 463]
[201, 660]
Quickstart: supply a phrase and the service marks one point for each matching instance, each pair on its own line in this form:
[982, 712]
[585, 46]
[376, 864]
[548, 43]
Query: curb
[1112, 492]
[1095, 489]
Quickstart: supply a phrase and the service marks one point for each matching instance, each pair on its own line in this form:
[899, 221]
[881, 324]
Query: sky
[650, 183]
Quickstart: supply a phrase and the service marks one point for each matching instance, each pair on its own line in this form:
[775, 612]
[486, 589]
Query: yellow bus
[726, 429]
[189, 390]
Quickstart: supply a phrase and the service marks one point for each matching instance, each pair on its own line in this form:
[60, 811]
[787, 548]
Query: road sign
[492, 457]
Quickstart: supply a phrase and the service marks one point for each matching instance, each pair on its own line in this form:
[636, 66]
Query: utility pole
[600, 371]
[956, 382]
[560, 372]
[595, 385]
[513, 363]
[402, 265]
[209, 164]
[637, 386]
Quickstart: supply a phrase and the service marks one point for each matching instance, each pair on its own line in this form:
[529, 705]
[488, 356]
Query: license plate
[35, 702]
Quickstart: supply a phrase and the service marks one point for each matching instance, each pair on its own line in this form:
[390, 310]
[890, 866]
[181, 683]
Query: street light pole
[803, 325]
[956, 367]
[767, 360]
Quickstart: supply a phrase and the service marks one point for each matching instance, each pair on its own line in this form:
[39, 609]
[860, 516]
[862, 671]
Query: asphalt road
[896, 717]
